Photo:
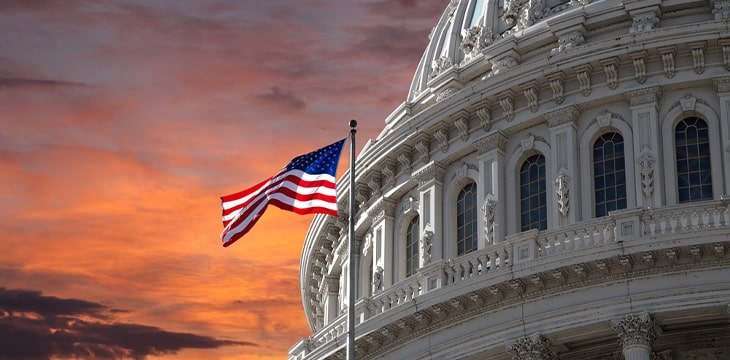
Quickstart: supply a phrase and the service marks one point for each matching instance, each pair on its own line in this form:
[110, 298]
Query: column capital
[494, 141]
[636, 330]
[565, 115]
[649, 95]
[533, 347]
[431, 172]
[722, 84]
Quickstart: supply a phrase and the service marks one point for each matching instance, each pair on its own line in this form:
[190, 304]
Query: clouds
[121, 123]
[41, 327]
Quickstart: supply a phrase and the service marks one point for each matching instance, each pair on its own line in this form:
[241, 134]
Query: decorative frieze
[583, 75]
[534, 347]
[445, 93]
[668, 54]
[557, 81]
[644, 21]
[610, 67]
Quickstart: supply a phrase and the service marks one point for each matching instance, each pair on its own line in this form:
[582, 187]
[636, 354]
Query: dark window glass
[466, 219]
[609, 173]
[533, 207]
[692, 146]
[412, 247]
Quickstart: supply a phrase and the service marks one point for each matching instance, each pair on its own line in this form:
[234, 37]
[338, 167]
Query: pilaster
[332, 290]
[491, 187]
[430, 188]
[636, 333]
[644, 104]
[383, 214]
[564, 176]
[723, 93]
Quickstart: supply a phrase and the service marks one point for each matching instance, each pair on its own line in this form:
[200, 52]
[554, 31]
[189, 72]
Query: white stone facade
[497, 85]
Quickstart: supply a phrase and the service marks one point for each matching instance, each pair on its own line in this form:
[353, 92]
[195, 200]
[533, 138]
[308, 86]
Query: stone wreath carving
[562, 190]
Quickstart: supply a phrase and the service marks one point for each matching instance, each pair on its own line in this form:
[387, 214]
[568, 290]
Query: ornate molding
[504, 64]
[568, 41]
[442, 137]
[404, 159]
[529, 90]
[462, 126]
[721, 10]
[644, 21]
[564, 115]
[635, 329]
[639, 61]
[423, 147]
[722, 84]
[491, 142]
[557, 81]
[389, 171]
[644, 96]
[428, 173]
[489, 211]
[583, 74]
[668, 55]
[610, 67]
[534, 347]
[698, 56]
[508, 105]
[474, 40]
[562, 190]
[440, 65]
[485, 118]
[426, 243]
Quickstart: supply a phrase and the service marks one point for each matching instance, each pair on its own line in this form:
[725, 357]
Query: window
[412, 247]
[533, 207]
[477, 13]
[466, 219]
[692, 145]
[609, 173]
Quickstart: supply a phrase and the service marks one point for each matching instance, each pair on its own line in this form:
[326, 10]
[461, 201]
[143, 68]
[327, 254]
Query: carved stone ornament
[442, 137]
[583, 74]
[722, 84]
[530, 92]
[462, 125]
[445, 93]
[726, 54]
[528, 143]
[534, 347]
[639, 61]
[368, 245]
[645, 21]
[404, 159]
[644, 96]
[485, 118]
[508, 106]
[410, 205]
[489, 210]
[503, 65]
[556, 85]
[668, 55]
[426, 243]
[646, 163]
[688, 102]
[389, 172]
[473, 40]
[698, 57]
[440, 65]
[496, 140]
[519, 14]
[422, 146]
[635, 329]
[564, 115]
[610, 67]
[604, 118]
[721, 10]
[562, 190]
[568, 41]
[378, 279]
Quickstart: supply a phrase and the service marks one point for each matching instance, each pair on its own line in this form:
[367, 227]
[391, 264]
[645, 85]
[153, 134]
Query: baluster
[706, 219]
[716, 217]
[483, 265]
[507, 255]
[449, 274]
[683, 220]
[579, 242]
[695, 220]
[727, 215]
[663, 223]
[492, 263]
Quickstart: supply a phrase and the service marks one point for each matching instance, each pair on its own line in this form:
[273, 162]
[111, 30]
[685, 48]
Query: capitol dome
[555, 185]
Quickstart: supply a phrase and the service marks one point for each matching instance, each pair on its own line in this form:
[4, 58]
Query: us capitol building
[554, 186]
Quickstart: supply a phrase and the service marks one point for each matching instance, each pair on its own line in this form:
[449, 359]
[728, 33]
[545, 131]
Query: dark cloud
[34, 326]
[282, 99]
[14, 82]
[393, 42]
[409, 9]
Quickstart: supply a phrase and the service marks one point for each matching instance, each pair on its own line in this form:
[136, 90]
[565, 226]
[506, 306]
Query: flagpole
[351, 238]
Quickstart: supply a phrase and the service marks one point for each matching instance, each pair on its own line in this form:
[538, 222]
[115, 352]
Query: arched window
[609, 173]
[533, 207]
[466, 219]
[692, 146]
[412, 247]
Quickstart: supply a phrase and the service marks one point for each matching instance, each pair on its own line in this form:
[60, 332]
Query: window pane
[692, 151]
[609, 184]
[466, 219]
[533, 209]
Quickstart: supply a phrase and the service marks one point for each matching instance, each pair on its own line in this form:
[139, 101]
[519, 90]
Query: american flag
[306, 185]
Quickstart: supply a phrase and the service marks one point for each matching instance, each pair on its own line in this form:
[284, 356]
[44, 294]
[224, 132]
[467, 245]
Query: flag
[306, 185]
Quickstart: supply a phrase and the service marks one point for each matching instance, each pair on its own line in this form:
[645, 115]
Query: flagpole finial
[353, 123]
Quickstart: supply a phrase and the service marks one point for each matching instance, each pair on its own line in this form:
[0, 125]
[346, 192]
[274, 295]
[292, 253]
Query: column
[491, 187]
[332, 290]
[645, 124]
[636, 333]
[563, 176]
[430, 188]
[723, 92]
[534, 347]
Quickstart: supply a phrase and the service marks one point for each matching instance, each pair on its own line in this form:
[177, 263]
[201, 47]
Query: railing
[625, 225]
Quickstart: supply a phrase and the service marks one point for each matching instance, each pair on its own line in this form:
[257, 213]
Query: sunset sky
[121, 125]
